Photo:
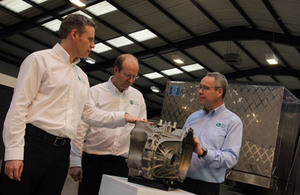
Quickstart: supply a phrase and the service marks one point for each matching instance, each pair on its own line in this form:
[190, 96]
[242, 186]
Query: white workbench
[113, 185]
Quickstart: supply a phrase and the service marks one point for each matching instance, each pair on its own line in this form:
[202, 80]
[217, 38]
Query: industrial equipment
[159, 154]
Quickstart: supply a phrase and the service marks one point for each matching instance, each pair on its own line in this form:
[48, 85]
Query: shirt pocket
[132, 110]
[219, 135]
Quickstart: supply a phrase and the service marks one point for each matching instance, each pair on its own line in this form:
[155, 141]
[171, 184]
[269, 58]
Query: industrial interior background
[229, 36]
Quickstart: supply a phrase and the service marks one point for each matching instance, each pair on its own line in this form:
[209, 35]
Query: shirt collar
[216, 110]
[113, 88]
[63, 55]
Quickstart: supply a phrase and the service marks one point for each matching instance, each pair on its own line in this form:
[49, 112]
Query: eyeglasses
[206, 88]
[130, 76]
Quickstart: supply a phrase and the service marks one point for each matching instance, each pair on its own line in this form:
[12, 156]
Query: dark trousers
[94, 166]
[46, 162]
[200, 187]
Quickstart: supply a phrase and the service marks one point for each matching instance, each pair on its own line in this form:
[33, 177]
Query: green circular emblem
[131, 102]
[218, 124]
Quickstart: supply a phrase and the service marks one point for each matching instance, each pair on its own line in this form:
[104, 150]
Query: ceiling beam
[266, 70]
[234, 33]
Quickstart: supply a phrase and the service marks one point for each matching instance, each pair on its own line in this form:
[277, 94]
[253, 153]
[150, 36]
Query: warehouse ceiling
[229, 36]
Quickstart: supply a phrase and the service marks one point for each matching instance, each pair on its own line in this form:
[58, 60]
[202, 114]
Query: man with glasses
[50, 97]
[217, 138]
[104, 150]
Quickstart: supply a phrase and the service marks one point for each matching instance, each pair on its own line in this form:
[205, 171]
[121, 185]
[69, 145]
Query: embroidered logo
[218, 124]
[80, 79]
[133, 103]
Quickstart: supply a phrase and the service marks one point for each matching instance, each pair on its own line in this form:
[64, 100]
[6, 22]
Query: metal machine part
[159, 153]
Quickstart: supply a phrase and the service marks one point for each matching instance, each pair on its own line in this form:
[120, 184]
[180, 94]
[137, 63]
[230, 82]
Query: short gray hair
[220, 80]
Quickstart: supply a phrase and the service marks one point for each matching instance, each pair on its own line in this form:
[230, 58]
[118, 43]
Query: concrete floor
[70, 187]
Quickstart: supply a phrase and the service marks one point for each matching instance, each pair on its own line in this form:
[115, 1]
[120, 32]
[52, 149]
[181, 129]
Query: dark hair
[220, 81]
[121, 58]
[74, 21]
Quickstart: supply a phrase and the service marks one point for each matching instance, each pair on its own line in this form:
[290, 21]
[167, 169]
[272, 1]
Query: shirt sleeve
[228, 155]
[97, 117]
[27, 86]
[143, 111]
[77, 145]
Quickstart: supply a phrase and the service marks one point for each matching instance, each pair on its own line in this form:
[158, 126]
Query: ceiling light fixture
[79, 3]
[271, 59]
[90, 60]
[192, 67]
[101, 8]
[172, 71]
[153, 75]
[100, 48]
[16, 6]
[155, 89]
[232, 58]
[142, 35]
[177, 59]
[119, 41]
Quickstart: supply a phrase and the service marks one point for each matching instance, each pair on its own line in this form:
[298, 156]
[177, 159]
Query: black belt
[51, 139]
[106, 157]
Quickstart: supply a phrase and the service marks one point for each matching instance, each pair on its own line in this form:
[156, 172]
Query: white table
[113, 185]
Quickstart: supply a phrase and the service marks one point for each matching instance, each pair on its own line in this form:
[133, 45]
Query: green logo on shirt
[80, 79]
[131, 102]
[218, 124]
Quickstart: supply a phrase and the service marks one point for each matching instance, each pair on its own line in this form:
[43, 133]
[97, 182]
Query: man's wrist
[204, 153]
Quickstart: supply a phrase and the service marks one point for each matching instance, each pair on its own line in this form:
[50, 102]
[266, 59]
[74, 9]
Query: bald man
[97, 151]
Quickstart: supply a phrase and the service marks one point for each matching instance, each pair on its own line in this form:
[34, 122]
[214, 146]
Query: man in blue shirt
[217, 138]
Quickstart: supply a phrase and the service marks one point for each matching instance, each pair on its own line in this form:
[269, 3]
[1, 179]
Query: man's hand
[197, 146]
[13, 169]
[131, 119]
[76, 173]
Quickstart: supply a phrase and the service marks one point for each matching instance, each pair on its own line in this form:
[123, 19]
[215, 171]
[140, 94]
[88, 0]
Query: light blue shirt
[220, 132]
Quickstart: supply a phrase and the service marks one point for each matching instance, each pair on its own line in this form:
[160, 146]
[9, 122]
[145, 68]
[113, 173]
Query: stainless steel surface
[270, 115]
[160, 152]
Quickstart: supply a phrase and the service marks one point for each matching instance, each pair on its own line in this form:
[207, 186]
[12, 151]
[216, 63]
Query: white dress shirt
[108, 141]
[53, 95]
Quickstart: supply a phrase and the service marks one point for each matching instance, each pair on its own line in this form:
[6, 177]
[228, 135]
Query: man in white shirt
[51, 96]
[105, 149]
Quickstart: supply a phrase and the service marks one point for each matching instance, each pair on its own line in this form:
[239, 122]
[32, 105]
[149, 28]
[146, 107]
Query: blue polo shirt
[220, 132]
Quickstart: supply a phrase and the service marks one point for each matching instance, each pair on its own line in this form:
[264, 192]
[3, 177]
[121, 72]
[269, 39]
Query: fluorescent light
[90, 60]
[100, 47]
[142, 35]
[155, 89]
[15, 5]
[192, 67]
[153, 75]
[39, 1]
[177, 59]
[101, 8]
[79, 3]
[271, 59]
[53, 25]
[119, 41]
[172, 71]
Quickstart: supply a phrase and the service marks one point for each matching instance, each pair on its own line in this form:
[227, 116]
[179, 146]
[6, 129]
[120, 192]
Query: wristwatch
[203, 154]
